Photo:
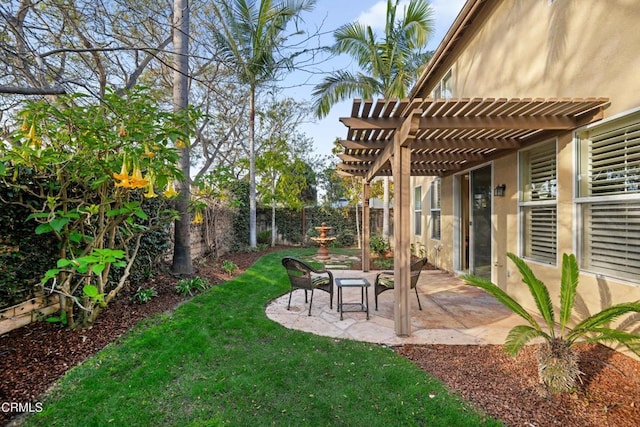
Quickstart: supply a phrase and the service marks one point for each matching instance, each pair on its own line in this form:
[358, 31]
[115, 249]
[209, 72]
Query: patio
[452, 313]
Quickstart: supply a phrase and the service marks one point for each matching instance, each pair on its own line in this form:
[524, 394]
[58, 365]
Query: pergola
[440, 137]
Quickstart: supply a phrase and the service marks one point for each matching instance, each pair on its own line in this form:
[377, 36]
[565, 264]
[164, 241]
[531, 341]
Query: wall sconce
[499, 190]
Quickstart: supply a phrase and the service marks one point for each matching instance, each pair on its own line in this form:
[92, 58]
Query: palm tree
[389, 66]
[557, 360]
[251, 35]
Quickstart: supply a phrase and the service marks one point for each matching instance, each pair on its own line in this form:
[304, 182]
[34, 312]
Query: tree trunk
[253, 241]
[273, 223]
[182, 242]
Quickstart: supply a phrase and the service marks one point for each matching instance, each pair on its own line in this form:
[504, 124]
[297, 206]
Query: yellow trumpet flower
[180, 144]
[123, 176]
[123, 131]
[148, 153]
[32, 133]
[150, 193]
[137, 181]
[25, 126]
[170, 191]
[197, 219]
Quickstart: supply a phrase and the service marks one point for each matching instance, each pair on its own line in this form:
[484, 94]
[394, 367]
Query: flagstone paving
[452, 313]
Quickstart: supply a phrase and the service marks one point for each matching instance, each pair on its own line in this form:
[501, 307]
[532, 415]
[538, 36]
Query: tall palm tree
[251, 36]
[388, 66]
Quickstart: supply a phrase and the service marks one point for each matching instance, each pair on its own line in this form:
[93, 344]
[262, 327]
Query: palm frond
[568, 286]
[352, 39]
[519, 336]
[602, 318]
[341, 85]
[612, 336]
[538, 291]
[418, 24]
[501, 296]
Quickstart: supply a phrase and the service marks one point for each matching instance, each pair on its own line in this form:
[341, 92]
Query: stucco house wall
[538, 49]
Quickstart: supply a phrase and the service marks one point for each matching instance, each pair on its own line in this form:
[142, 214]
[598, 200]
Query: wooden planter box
[27, 312]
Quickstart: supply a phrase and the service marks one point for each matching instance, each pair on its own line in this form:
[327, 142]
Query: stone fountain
[323, 241]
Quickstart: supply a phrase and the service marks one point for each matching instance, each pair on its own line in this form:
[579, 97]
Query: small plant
[188, 286]
[229, 267]
[418, 250]
[379, 245]
[557, 360]
[143, 296]
[62, 318]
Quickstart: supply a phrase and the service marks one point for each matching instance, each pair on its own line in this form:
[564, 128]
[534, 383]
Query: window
[435, 209]
[608, 202]
[444, 88]
[417, 211]
[538, 208]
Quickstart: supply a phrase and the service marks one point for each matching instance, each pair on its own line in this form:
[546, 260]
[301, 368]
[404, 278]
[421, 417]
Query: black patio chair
[385, 281]
[303, 276]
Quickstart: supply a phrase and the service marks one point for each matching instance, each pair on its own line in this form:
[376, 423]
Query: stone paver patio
[452, 313]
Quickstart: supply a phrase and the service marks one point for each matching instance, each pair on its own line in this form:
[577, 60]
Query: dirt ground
[32, 358]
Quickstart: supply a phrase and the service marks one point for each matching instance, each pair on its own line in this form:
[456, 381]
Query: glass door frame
[461, 222]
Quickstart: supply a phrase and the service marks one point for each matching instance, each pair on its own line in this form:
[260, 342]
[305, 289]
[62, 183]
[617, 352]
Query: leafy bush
[190, 286]
[24, 256]
[379, 245]
[67, 154]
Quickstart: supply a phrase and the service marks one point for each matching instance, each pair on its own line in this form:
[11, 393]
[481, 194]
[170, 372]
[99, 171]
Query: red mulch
[35, 356]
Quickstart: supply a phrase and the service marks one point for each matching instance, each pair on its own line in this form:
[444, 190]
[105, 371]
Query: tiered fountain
[323, 241]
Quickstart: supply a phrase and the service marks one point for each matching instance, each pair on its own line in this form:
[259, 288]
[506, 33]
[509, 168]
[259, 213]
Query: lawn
[218, 360]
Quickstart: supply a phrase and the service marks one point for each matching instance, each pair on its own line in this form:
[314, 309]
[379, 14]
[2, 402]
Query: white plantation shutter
[538, 203]
[417, 212]
[610, 199]
[436, 233]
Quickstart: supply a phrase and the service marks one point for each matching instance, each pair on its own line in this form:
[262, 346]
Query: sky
[329, 15]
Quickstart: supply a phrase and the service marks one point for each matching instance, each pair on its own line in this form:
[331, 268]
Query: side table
[361, 283]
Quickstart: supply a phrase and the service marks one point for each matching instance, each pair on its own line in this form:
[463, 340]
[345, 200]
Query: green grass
[218, 360]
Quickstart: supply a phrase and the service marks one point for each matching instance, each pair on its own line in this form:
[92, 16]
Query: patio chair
[303, 276]
[385, 281]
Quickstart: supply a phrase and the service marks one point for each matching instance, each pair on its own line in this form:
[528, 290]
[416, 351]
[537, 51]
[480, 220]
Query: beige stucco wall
[541, 49]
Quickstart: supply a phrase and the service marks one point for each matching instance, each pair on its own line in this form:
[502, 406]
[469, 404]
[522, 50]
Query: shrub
[379, 245]
[90, 165]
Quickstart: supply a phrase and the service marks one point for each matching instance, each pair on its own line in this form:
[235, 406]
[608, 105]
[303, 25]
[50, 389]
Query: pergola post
[401, 266]
[366, 232]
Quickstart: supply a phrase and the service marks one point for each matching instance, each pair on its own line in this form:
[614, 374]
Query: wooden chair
[385, 281]
[303, 276]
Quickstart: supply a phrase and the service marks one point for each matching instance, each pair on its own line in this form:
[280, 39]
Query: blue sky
[335, 13]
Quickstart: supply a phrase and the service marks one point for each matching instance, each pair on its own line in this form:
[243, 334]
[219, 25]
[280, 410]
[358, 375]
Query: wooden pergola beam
[407, 129]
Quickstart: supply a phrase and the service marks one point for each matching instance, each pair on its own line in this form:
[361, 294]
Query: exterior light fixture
[499, 190]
